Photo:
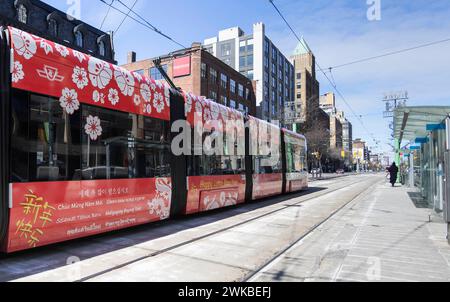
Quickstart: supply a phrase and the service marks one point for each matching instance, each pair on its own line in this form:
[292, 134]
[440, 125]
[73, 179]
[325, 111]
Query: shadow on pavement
[51, 257]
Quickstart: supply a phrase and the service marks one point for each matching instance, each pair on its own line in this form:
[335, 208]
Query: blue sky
[338, 31]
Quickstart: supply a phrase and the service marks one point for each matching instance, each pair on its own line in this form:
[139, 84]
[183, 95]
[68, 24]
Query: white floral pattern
[167, 95]
[158, 207]
[79, 77]
[164, 188]
[148, 108]
[158, 102]
[124, 80]
[160, 204]
[207, 114]
[188, 104]
[69, 100]
[215, 111]
[93, 127]
[46, 46]
[80, 56]
[145, 92]
[137, 100]
[138, 76]
[100, 73]
[198, 107]
[98, 97]
[113, 97]
[63, 51]
[24, 44]
[17, 73]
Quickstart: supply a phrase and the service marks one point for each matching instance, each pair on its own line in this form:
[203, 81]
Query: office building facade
[256, 57]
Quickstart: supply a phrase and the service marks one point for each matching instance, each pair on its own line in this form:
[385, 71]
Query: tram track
[233, 226]
[260, 269]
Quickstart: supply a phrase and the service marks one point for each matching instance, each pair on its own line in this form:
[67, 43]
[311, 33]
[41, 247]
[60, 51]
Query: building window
[242, 62]
[223, 100]
[79, 39]
[250, 60]
[226, 49]
[213, 95]
[233, 104]
[250, 45]
[203, 70]
[22, 14]
[213, 74]
[223, 81]
[53, 27]
[232, 86]
[102, 48]
[155, 74]
[299, 76]
[242, 46]
[299, 96]
[241, 90]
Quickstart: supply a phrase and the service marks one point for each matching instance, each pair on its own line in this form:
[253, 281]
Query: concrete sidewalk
[382, 236]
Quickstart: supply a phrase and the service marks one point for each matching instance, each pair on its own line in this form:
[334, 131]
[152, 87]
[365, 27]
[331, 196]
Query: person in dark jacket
[393, 171]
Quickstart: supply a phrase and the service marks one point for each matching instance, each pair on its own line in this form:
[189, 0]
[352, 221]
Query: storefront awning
[412, 122]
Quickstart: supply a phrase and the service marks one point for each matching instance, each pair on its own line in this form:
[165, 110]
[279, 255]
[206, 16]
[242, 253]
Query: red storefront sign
[46, 213]
[182, 67]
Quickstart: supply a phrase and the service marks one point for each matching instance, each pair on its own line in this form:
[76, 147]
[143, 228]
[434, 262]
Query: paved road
[229, 245]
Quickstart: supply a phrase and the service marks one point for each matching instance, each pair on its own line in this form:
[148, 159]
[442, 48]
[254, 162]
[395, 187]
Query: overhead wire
[125, 17]
[144, 23]
[324, 73]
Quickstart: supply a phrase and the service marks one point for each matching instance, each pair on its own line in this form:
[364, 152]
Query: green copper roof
[302, 48]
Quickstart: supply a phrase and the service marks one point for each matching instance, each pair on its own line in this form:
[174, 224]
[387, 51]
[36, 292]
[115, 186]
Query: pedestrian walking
[393, 172]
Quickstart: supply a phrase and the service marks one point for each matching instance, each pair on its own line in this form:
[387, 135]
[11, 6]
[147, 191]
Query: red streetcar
[86, 148]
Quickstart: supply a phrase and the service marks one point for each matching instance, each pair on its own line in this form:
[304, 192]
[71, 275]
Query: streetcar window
[47, 144]
[129, 146]
[221, 164]
[264, 163]
[43, 139]
[108, 153]
[152, 148]
[295, 155]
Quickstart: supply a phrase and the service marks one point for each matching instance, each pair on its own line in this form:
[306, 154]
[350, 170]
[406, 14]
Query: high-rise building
[197, 71]
[255, 56]
[327, 103]
[306, 86]
[347, 132]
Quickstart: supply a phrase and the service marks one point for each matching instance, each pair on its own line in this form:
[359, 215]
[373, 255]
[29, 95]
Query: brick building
[199, 72]
[46, 21]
